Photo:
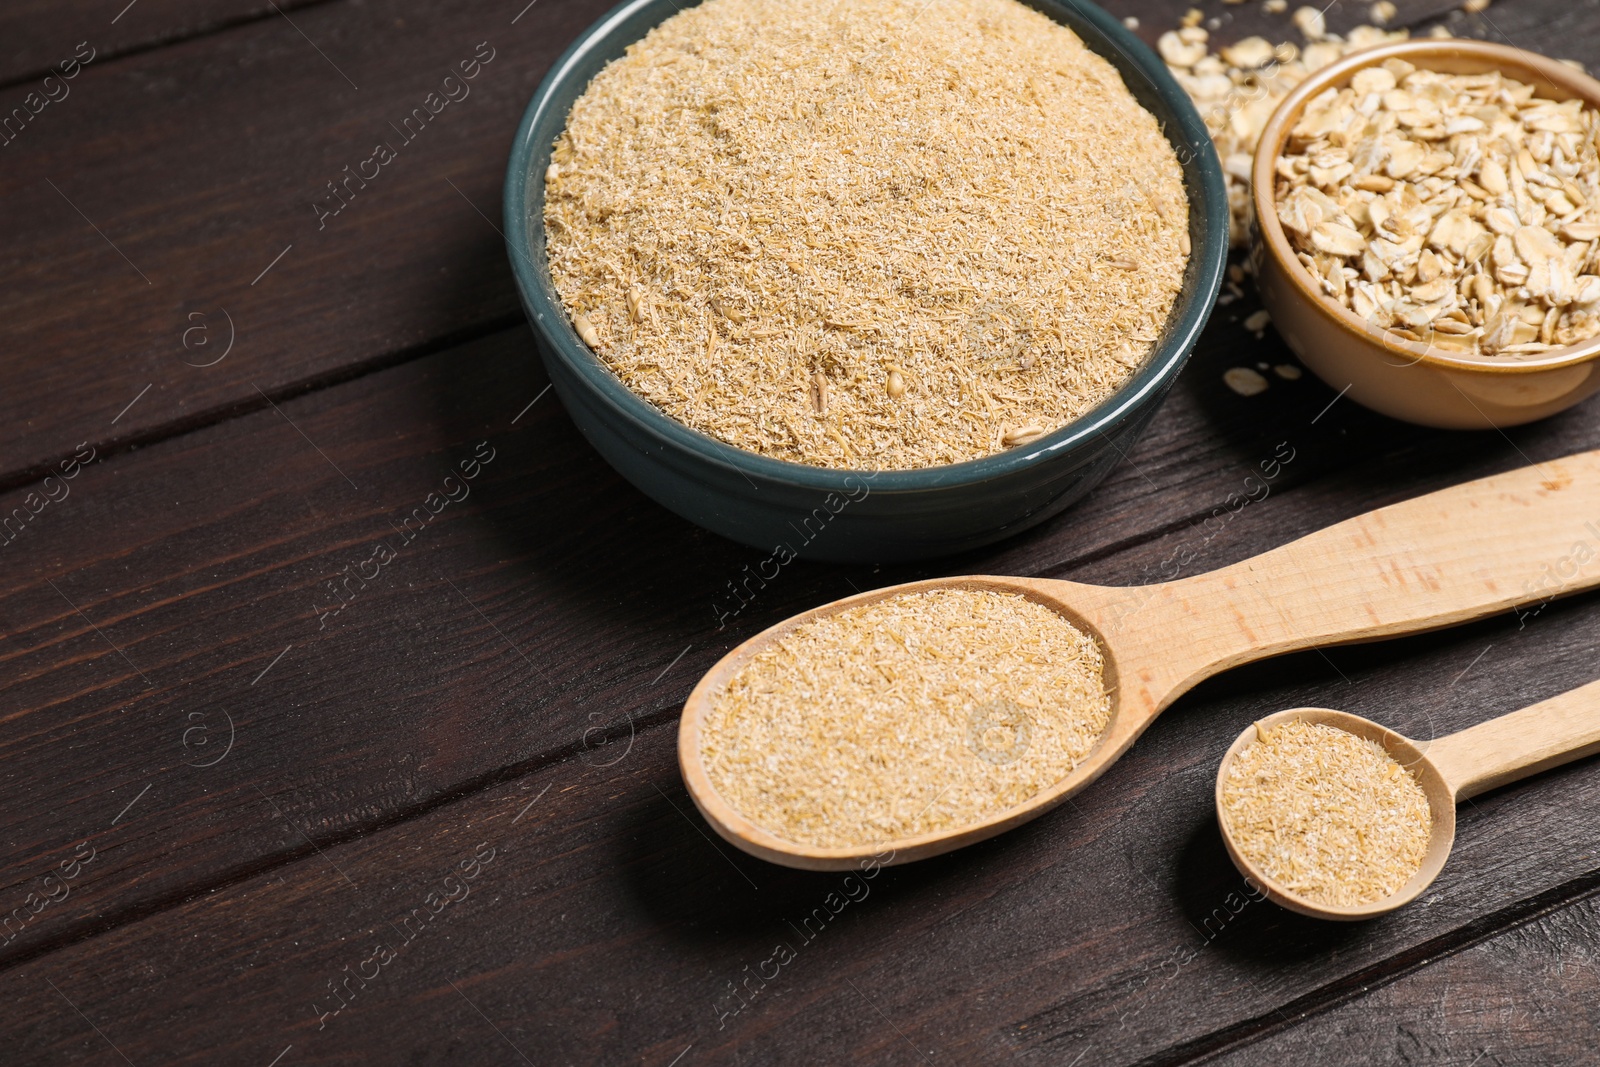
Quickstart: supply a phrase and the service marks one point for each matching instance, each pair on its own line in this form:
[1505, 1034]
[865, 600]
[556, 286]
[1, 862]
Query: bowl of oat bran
[1460, 328]
[887, 287]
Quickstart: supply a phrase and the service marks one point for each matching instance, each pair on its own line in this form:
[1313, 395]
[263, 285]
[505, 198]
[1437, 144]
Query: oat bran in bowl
[1009, 473]
[1455, 347]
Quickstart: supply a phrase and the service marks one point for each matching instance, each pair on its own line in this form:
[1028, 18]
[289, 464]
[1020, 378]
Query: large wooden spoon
[1449, 769]
[1487, 546]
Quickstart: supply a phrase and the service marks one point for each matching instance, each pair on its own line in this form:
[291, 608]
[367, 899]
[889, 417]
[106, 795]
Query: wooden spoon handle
[1504, 750]
[1515, 540]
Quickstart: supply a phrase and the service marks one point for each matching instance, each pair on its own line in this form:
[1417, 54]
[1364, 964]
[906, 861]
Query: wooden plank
[168, 206]
[219, 551]
[1565, 31]
[202, 559]
[262, 586]
[39, 35]
[1228, 23]
[424, 711]
[609, 927]
[1528, 995]
[552, 602]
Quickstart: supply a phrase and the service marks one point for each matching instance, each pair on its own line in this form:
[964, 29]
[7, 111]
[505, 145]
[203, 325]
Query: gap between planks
[529, 765]
[155, 44]
[110, 447]
[462, 791]
[1384, 972]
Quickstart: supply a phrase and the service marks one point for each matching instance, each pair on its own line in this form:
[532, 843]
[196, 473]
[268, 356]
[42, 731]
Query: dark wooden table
[264, 806]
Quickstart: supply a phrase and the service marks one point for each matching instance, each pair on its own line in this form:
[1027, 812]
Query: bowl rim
[1270, 229]
[1186, 133]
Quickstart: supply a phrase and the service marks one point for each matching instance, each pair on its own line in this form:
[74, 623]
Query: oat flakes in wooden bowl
[749, 356]
[1433, 245]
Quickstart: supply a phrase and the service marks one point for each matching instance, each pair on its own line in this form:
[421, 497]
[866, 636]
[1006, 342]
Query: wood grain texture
[202, 573]
[1450, 769]
[610, 927]
[37, 35]
[203, 558]
[1510, 748]
[533, 643]
[143, 213]
[200, 560]
[1527, 996]
[1473, 550]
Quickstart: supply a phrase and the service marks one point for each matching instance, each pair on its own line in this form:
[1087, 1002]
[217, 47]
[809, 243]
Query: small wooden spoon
[1449, 557]
[1450, 769]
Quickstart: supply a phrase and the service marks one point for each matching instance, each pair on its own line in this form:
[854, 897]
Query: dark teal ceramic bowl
[789, 509]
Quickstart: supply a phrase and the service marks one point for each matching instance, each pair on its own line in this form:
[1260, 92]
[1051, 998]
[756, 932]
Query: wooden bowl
[1405, 379]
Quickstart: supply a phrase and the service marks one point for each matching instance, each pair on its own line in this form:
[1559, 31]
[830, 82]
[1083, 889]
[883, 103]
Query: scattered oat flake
[913, 714]
[1237, 89]
[1257, 321]
[1310, 22]
[1329, 816]
[1288, 372]
[805, 189]
[1246, 381]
